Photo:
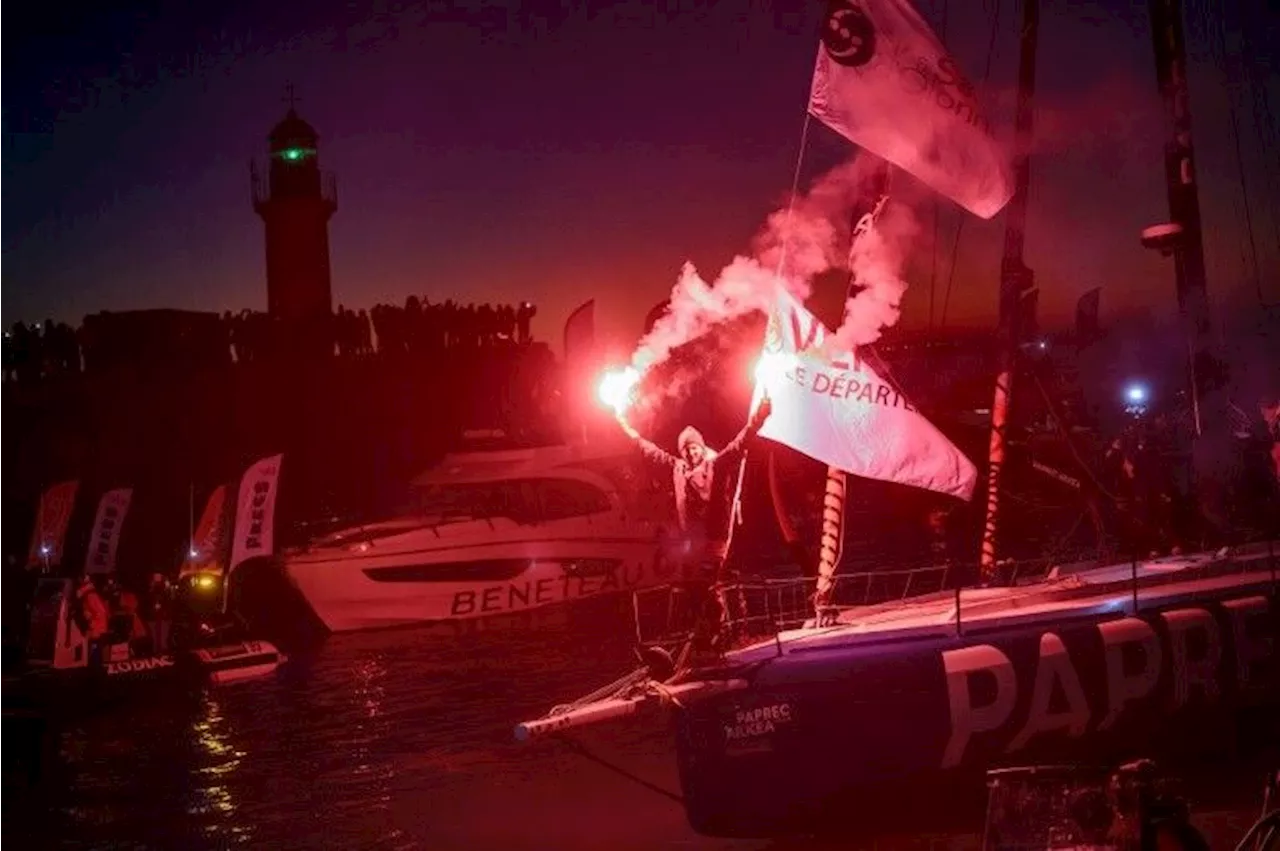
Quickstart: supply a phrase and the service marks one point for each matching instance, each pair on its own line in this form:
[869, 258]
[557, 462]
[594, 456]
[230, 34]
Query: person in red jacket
[93, 616]
[130, 612]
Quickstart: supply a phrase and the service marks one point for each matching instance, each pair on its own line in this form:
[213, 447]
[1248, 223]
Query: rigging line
[582, 751]
[1066, 438]
[795, 187]
[1219, 27]
[937, 207]
[955, 245]
[735, 509]
[1263, 119]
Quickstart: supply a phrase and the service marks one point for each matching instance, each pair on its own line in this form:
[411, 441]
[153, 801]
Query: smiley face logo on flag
[848, 35]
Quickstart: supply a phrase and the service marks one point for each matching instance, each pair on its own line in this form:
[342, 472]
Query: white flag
[105, 538]
[256, 512]
[886, 83]
[838, 411]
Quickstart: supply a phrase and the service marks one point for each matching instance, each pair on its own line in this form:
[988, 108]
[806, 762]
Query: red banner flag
[580, 334]
[52, 518]
[208, 545]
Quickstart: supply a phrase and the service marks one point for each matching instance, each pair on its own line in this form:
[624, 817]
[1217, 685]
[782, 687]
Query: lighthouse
[295, 201]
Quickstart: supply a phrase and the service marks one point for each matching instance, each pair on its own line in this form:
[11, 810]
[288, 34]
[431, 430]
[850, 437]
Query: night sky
[487, 154]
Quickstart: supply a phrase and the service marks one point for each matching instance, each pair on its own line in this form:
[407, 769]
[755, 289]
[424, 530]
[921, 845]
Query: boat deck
[1064, 594]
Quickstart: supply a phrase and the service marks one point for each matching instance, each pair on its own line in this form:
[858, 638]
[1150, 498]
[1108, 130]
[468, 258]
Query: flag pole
[191, 519]
[735, 511]
[1016, 284]
[832, 539]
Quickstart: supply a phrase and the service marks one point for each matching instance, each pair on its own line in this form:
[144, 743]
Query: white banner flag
[886, 83]
[256, 511]
[839, 412]
[105, 538]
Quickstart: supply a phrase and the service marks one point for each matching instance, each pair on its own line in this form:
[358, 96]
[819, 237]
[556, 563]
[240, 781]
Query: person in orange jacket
[130, 608]
[93, 616]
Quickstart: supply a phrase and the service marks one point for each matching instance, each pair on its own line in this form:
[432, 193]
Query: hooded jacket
[93, 611]
[700, 489]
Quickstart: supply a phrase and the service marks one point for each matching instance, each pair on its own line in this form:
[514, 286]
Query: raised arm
[650, 450]
[753, 425]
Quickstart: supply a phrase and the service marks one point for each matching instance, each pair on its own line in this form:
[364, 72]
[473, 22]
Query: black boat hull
[886, 734]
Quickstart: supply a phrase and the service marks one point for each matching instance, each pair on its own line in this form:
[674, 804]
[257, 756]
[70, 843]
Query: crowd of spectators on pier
[1161, 493]
[419, 326]
[32, 351]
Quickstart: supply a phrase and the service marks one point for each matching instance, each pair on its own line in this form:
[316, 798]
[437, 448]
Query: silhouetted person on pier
[523, 317]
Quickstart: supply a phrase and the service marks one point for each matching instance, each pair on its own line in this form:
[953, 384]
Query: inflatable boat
[58, 651]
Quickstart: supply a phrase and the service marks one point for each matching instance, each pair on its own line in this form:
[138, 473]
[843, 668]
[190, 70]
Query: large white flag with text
[104, 540]
[839, 411]
[256, 511]
[885, 82]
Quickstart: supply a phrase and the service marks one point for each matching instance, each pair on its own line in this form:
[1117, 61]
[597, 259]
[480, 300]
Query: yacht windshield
[522, 500]
[481, 501]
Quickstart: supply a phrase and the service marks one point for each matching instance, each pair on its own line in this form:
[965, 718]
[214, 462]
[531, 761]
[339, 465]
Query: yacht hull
[879, 725]
[360, 591]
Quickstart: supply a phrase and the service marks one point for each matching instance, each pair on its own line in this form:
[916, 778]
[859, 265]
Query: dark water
[394, 740]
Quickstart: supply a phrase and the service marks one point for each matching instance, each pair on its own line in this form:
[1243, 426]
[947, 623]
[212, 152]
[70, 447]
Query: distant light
[1044, 345]
[293, 154]
[45, 549]
[193, 553]
[1135, 394]
[205, 581]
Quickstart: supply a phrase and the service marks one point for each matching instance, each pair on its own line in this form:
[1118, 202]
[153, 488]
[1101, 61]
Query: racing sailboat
[832, 723]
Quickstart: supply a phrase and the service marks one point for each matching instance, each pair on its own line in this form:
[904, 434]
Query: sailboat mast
[191, 520]
[831, 545]
[1016, 283]
[1185, 238]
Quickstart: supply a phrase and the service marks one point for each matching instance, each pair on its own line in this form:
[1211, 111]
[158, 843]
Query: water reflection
[212, 799]
[394, 740]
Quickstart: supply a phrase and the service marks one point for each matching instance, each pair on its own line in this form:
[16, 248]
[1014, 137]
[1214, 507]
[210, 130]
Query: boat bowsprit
[639, 695]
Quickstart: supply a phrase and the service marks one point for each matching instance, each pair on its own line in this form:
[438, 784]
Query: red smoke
[795, 245]
[877, 259]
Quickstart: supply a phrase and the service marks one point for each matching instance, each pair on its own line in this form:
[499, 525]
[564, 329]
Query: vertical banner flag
[655, 313]
[52, 518]
[256, 512]
[1088, 327]
[105, 538]
[209, 540]
[885, 82]
[580, 334]
[838, 411]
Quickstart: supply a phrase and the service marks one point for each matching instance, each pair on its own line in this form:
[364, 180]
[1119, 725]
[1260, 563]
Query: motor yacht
[494, 533]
